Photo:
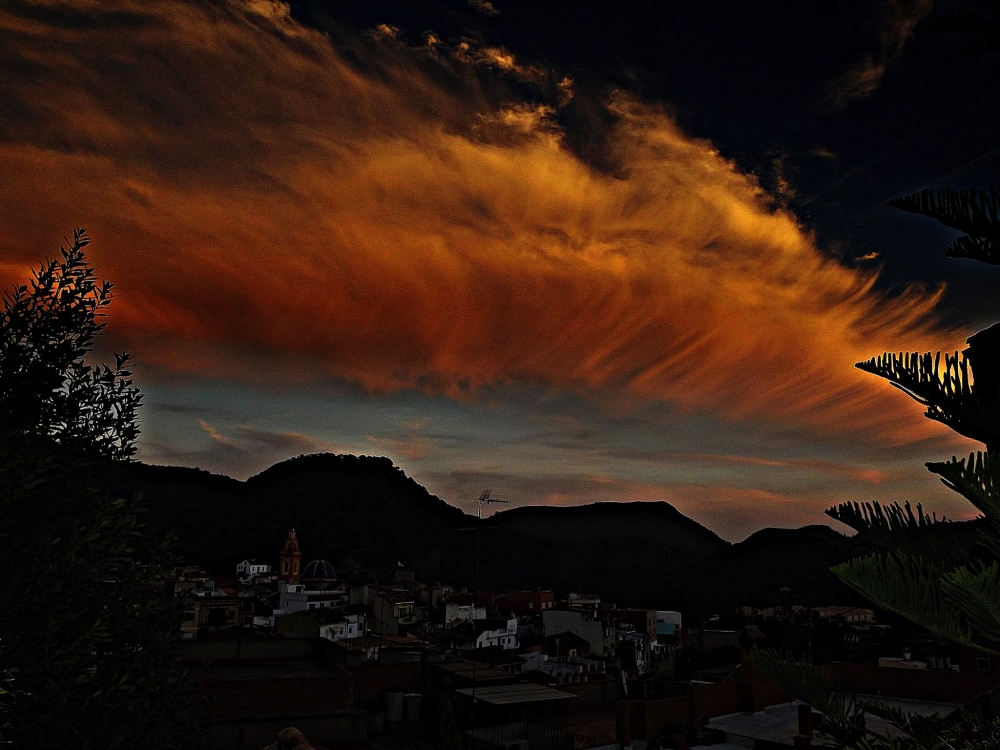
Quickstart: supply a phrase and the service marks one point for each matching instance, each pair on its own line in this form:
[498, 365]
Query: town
[350, 660]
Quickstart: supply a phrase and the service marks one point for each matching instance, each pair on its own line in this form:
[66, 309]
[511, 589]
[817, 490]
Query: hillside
[364, 513]
[616, 524]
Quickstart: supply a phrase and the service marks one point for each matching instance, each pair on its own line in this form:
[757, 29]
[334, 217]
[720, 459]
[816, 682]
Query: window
[983, 662]
[531, 605]
[295, 567]
[284, 566]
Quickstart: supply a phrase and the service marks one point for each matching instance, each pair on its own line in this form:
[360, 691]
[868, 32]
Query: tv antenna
[485, 498]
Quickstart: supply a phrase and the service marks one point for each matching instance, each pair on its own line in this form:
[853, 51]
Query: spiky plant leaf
[815, 686]
[898, 529]
[908, 586]
[976, 592]
[977, 479]
[948, 394]
[972, 211]
[975, 248]
[925, 731]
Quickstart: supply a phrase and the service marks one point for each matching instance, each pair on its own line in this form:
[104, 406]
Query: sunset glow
[390, 247]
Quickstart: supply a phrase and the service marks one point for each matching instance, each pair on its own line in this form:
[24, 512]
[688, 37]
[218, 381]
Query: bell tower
[290, 564]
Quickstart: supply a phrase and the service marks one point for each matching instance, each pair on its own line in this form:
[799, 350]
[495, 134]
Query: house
[250, 569]
[483, 633]
[643, 622]
[527, 603]
[390, 608]
[295, 597]
[208, 613]
[852, 615]
[523, 715]
[584, 601]
[669, 617]
[462, 611]
[332, 624]
[571, 667]
[598, 631]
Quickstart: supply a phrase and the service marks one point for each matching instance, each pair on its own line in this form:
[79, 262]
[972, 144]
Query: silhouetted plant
[86, 637]
[949, 590]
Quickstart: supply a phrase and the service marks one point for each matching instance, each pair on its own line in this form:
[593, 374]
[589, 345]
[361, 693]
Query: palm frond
[806, 682]
[977, 594]
[925, 731]
[975, 248]
[947, 392]
[898, 529]
[977, 479]
[972, 211]
[909, 586]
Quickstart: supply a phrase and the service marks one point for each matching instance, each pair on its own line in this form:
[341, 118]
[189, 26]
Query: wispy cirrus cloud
[277, 208]
[896, 21]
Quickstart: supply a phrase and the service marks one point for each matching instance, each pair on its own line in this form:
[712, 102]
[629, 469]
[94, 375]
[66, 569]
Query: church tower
[290, 564]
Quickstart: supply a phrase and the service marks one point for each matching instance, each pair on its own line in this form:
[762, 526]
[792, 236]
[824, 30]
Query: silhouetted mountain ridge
[367, 510]
[656, 522]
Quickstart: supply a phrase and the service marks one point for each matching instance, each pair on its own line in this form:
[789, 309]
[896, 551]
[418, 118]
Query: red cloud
[271, 212]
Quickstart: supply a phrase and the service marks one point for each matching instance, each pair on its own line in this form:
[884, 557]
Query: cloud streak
[276, 208]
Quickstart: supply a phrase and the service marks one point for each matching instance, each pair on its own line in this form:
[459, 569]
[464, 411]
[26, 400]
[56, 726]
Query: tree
[86, 634]
[915, 571]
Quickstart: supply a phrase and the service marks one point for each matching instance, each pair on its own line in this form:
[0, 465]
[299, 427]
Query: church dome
[318, 570]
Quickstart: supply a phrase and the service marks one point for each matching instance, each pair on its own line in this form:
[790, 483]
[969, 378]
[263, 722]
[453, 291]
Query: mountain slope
[366, 510]
[625, 524]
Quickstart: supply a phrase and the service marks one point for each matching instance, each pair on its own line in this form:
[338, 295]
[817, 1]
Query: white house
[296, 598]
[599, 632]
[351, 626]
[468, 612]
[252, 569]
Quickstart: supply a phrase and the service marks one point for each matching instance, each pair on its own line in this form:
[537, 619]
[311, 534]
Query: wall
[603, 693]
[372, 680]
[591, 630]
[252, 698]
[297, 626]
[917, 684]
[648, 720]
[255, 648]
[253, 734]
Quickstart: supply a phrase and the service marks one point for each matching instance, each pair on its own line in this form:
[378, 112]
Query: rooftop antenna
[485, 498]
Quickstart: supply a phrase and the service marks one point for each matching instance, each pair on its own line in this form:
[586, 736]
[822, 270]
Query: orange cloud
[872, 476]
[271, 211]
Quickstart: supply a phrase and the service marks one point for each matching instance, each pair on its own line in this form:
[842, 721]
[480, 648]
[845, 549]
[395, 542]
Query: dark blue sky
[572, 253]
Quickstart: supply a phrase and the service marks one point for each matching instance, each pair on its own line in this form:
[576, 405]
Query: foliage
[972, 732]
[844, 713]
[950, 590]
[86, 638]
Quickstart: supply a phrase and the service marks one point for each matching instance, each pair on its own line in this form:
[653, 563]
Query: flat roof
[779, 723]
[522, 692]
[482, 672]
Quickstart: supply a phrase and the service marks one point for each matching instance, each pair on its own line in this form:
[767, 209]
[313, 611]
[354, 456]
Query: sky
[568, 253]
